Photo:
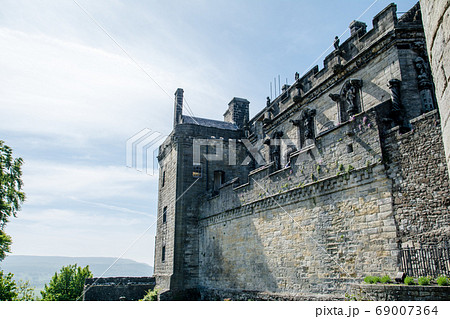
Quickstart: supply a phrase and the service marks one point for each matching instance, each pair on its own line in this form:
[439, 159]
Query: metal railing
[426, 261]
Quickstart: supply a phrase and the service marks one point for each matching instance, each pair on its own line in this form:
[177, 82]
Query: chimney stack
[237, 112]
[178, 107]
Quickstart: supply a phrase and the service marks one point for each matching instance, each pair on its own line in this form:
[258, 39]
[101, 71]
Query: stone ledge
[399, 292]
[245, 295]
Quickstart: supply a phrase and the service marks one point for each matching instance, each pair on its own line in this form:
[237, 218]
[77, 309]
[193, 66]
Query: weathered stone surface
[358, 176]
[117, 288]
[436, 20]
[390, 292]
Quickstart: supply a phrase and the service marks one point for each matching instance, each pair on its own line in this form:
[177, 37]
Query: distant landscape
[38, 270]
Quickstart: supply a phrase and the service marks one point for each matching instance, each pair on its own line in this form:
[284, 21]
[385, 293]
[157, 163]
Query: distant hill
[38, 270]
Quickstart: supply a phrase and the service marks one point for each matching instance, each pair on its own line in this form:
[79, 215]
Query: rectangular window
[163, 179]
[219, 179]
[350, 148]
[164, 216]
[197, 171]
[163, 254]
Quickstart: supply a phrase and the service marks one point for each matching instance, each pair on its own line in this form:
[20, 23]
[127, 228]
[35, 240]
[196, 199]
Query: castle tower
[183, 183]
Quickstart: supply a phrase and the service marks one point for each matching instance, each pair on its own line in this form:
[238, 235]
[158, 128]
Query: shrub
[409, 280]
[424, 281]
[372, 279]
[442, 281]
[386, 279]
[67, 285]
[152, 295]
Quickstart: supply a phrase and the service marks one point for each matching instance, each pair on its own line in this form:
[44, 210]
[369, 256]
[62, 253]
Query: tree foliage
[66, 285]
[11, 195]
[10, 290]
[151, 295]
[25, 292]
[8, 287]
[5, 243]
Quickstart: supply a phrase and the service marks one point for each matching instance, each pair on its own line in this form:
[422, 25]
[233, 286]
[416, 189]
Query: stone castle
[327, 184]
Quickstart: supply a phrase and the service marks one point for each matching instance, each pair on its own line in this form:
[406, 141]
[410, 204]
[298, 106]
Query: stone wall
[117, 288]
[421, 193]
[348, 191]
[286, 232]
[314, 227]
[436, 18]
[391, 292]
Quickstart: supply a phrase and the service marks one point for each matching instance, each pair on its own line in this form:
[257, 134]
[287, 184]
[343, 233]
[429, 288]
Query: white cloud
[47, 182]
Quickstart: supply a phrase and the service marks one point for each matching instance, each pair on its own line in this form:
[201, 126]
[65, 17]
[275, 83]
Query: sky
[80, 78]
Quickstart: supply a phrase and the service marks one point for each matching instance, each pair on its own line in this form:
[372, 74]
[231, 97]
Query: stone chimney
[237, 112]
[178, 107]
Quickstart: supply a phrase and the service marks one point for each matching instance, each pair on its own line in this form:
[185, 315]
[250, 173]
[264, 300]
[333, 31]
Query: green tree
[66, 285]
[10, 290]
[7, 287]
[25, 292]
[5, 244]
[11, 195]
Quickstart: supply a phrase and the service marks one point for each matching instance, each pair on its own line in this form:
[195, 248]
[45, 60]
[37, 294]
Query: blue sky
[70, 98]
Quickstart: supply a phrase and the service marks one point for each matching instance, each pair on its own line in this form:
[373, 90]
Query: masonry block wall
[352, 172]
[436, 20]
[421, 193]
[291, 231]
[117, 288]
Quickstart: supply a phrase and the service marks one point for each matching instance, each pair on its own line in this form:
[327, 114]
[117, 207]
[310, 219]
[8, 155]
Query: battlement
[346, 58]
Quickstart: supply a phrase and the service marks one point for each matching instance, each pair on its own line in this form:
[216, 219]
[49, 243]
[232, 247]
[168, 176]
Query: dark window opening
[163, 254]
[350, 148]
[164, 216]
[219, 179]
[163, 179]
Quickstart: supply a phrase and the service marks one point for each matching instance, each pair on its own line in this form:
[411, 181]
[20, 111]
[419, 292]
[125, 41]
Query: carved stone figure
[275, 149]
[422, 74]
[308, 124]
[425, 85]
[350, 98]
[290, 149]
[297, 76]
[336, 43]
[397, 111]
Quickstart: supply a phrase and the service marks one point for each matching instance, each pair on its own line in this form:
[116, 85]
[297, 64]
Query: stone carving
[425, 84]
[290, 149]
[336, 43]
[268, 101]
[335, 97]
[297, 76]
[348, 100]
[394, 86]
[275, 149]
[397, 112]
[308, 124]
